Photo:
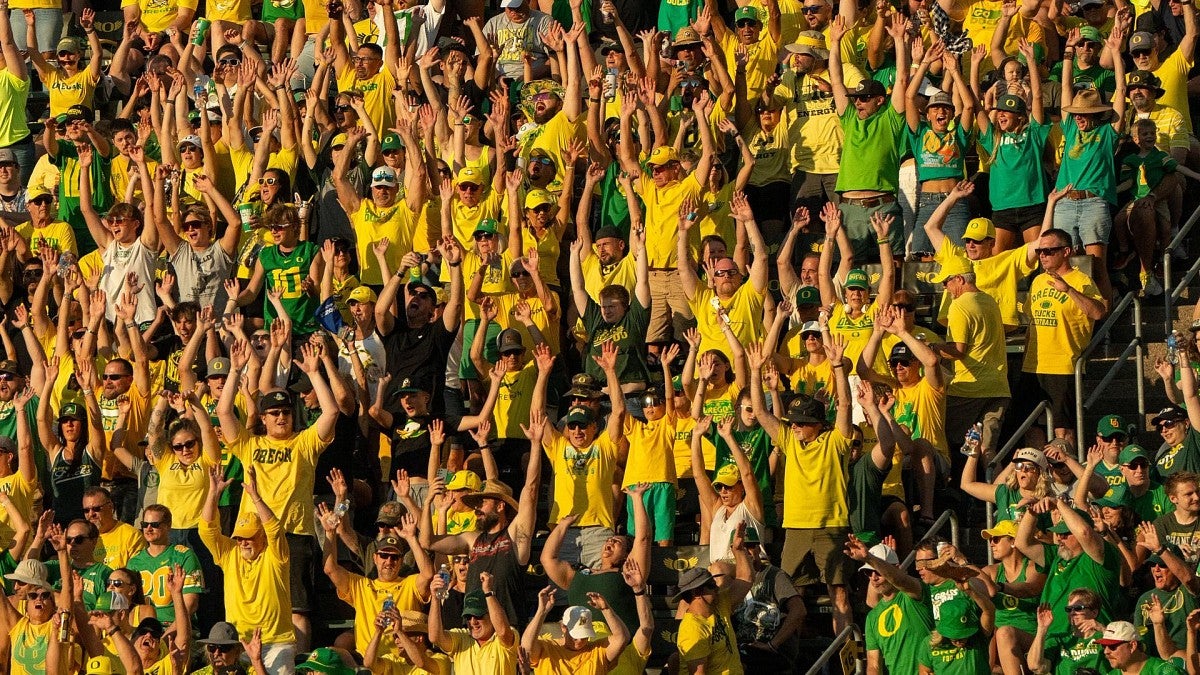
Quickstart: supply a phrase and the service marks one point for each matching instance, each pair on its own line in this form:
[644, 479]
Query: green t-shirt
[1013, 611]
[1090, 78]
[1016, 173]
[1186, 537]
[898, 627]
[874, 144]
[629, 335]
[948, 592]
[286, 272]
[757, 446]
[1148, 507]
[1147, 171]
[1186, 457]
[1063, 576]
[95, 580]
[675, 14]
[1087, 161]
[1007, 499]
[614, 209]
[1156, 666]
[950, 659]
[866, 495]
[1176, 604]
[67, 161]
[8, 429]
[1070, 653]
[1111, 474]
[154, 571]
[939, 155]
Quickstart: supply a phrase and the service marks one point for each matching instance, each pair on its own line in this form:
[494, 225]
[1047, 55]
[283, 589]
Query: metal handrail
[1136, 345]
[836, 646]
[1171, 294]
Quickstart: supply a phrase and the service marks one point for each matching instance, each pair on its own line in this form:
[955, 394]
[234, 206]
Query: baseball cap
[383, 176]
[487, 225]
[1141, 40]
[69, 44]
[408, 386]
[577, 622]
[1002, 528]
[1133, 452]
[1111, 425]
[325, 660]
[1118, 632]
[7, 156]
[900, 352]
[219, 367]
[361, 294]
[191, 140]
[511, 4]
[979, 229]
[35, 191]
[388, 542]
[536, 198]
[1171, 413]
[883, 552]
[584, 386]
[579, 414]
[389, 142]
[728, 475]
[248, 525]
[468, 175]
[808, 295]
[1011, 103]
[10, 366]
[810, 327]
[102, 665]
[868, 88]
[71, 411]
[389, 514]
[341, 139]
[1031, 455]
[663, 154]
[1090, 33]
[805, 410]
[274, 399]
[464, 480]
[608, 232]
[857, 278]
[940, 99]
[509, 340]
[150, 626]
[747, 12]
[952, 266]
[80, 111]
[474, 604]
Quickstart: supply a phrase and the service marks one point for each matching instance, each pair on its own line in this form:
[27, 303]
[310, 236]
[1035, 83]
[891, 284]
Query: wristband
[837, 367]
[883, 241]
[639, 593]
[131, 325]
[489, 595]
[454, 264]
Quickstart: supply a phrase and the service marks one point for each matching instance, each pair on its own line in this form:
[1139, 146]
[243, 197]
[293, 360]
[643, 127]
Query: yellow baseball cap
[979, 229]
[663, 154]
[728, 475]
[247, 526]
[953, 266]
[361, 294]
[1003, 528]
[537, 198]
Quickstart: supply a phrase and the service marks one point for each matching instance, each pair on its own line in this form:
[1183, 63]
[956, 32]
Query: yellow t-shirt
[66, 91]
[135, 426]
[367, 596]
[233, 11]
[55, 234]
[583, 479]
[719, 399]
[556, 659]
[548, 251]
[856, 333]
[1174, 75]
[29, 644]
[21, 492]
[980, 20]
[315, 16]
[984, 371]
[1058, 328]
[596, 276]
[745, 309]
[467, 218]
[377, 95]
[157, 15]
[809, 379]
[122, 169]
[764, 56]
[471, 658]
[921, 409]
[512, 403]
[717, 218]
[257, 592]
[814, 128]
[545, 318]
[1172, 131]
[45, 174]
[554, 137]
[817, 470]
[772, 153]
[286, 474]
[182, 489]
[997, 276]
[683, 448]
[371, 224]
[651, 450]
[710, 639]
[496, 281]
[118, 545]
[662, 217]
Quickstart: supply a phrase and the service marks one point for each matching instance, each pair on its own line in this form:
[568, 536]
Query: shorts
[1058, 390]
[817, 555]
[769, 202]
[584, 545]
[856, 220]
[1088, 220]
[49, 29]
[282, 9]
[670, 314]
[491, 350]
[303, 552]
[1020, 218]
[660, 506]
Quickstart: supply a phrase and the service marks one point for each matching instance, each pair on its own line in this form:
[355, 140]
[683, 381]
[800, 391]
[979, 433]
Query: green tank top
[286, 272]
[1012, 611]
[610, 585]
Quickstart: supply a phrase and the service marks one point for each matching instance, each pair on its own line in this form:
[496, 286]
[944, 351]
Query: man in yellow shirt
[381, 216]
[577, 651]
[371, 71]
[255, 562]
[488, 644]
[285, 460]
[816, 513]
[118, 541]
[1146, 50]
[707, 641]
[748, 35]
[1063, 304]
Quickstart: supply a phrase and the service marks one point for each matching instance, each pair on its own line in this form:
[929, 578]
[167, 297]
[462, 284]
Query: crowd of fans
[579, 336]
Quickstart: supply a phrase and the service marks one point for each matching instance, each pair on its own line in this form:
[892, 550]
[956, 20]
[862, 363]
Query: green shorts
[660, 506]
[491, 351]
[282, 9]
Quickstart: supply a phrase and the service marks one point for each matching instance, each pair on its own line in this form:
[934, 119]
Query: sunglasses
[1140, 53]
[747, 22]
[388, 556]
[155, 524]
[815, 9]
[192, 225]
[545, 161]
[185, 445]
[116, 583]
[65, 53]
[1073, 609]
[904, 307]
[1168, 424]
[1050, 250]
[542, 208]
[468, 187]
[269, 181]
[519, 273]
[113, 377]
[1137, 464]
[277, 227]
[1026, 466]
[480, 236]
[342, 108]
[1118, 438]
[389, 152]
[41, 201]
[77, 335]
[78, 539]
[576, 426]
[230, 62]
[278, 412]
[43, 595]
[895, 363]
[422, 294]
[219, 648]
[728, 272]
[461, 559]
[722, 487]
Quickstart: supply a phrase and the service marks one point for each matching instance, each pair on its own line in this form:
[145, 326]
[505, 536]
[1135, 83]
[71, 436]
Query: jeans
[1088, 220]
[49, 28]
[953, 227]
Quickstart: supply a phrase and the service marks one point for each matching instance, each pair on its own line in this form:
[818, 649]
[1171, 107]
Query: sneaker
[1151, 287]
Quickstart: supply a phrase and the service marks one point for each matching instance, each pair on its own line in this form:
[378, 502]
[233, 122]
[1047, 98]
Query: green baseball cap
[474, 604]
[1132, 452]
[1090, 34]
[488, 225]
[1012, 103]
[1061, 527]
[747, 12]
[808, 295]
[390, 142]
[857, 279]
[1110, 425]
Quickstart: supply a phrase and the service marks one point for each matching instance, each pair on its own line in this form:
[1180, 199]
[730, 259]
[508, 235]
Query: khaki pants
[670, 314]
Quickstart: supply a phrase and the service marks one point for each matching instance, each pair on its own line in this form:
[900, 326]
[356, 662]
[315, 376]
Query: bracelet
[639, 593]
[454, 264]
[489, 594]
[883, 241]
[1159, 552]
[594, 99]
[131, 325]
[89, 32]
[837, 367]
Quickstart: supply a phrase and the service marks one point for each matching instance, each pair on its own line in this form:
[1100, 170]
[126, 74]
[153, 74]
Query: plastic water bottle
[972, 440]
[444, 575]
[1173, 347]
[341, 509]
[388, 605]
[610, 84]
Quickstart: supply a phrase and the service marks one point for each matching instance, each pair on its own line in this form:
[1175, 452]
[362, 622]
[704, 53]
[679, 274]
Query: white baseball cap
[883, 552]
[577, 622]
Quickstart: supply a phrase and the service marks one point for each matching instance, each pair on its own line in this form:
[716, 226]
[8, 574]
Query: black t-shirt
[629, 334]
[496, 554]
[419, 355]
[339, 453]
[410, 441]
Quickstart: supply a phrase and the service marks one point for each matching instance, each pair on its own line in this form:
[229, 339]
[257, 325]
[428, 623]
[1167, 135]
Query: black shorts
[769, 202]
[1058, 390]
[302, 558]
[1020, 218]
